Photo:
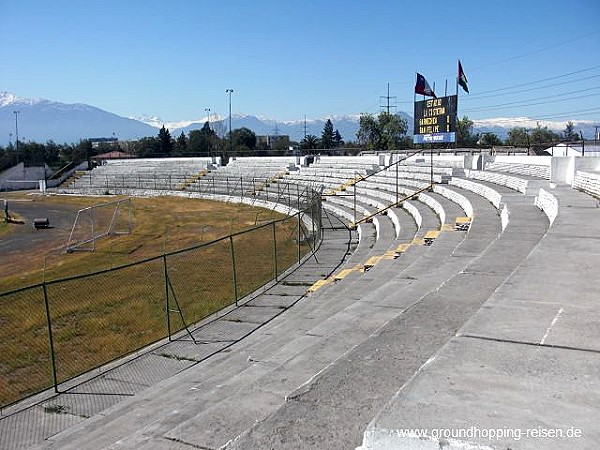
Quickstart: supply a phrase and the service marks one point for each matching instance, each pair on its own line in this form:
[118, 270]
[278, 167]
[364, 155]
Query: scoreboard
[435, 120]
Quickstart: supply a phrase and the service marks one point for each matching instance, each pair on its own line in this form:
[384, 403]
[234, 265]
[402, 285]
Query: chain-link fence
[60, 329]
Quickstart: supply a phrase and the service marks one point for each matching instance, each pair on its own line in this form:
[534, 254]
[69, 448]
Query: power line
[513, 104]
[533, 52]
[535, 99]
[534, 82]
[532, 89]
[568, 113]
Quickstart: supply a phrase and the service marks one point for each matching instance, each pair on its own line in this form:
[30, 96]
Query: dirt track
[17, 246]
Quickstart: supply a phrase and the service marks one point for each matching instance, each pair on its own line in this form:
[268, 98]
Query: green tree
[464, 133]
[489, 140]
[518, 137]
[569, 133]
[337, 139]
[385, 132]
[147, 147]
[181, 144]
[327, 135]
[243, 140]
[201, 142]
[310, 142]
[166, 143]
[542, 135]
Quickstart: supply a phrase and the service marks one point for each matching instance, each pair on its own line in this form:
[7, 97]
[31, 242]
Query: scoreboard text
[435, 120]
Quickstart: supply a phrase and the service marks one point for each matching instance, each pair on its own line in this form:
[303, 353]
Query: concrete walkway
[525, 369]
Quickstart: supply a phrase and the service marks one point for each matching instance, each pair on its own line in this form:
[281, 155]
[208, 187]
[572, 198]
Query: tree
[489, 140]
[369, 133]
[385, 132]
[310, 142]
[147, 146]
[243, 140]
[181, 144]
[327, 135]
[200, 142]
[541, 136]
[464, 135]
[518, 137]
[570, 134]
[393, 130]
[337, 139]
[165, 141]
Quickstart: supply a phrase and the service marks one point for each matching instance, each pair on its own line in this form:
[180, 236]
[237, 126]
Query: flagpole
[457, 80]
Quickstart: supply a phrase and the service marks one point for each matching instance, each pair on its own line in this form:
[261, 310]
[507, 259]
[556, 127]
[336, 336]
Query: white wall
[22, 173]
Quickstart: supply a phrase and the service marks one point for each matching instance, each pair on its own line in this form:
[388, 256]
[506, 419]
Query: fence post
[50, 338]
[299, 231]
[235, 287]
[275, 251]
[167, 307]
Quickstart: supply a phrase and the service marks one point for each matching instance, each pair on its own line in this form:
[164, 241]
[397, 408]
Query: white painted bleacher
[548, 203]
[485, 191]
[588, 182]
[511, 182]
[142, 173]
[530, 170]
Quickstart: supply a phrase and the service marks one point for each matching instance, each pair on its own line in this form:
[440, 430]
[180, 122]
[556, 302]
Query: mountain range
[41, 120]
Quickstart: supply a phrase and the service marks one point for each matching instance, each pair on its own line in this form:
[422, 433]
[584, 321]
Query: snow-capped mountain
[502, 125]
[42, 120]
[347, 125]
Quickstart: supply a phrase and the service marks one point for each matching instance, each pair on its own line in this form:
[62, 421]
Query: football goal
[98, 221]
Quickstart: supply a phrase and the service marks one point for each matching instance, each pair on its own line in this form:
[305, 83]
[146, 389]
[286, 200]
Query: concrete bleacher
[144, 173]
[491, 326]
[531, 170]
[588, 182]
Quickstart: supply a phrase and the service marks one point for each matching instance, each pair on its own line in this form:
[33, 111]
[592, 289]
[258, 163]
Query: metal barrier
[57, 330]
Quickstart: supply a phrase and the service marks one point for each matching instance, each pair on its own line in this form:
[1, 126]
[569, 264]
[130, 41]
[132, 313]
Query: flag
[462, 78]
[422, 87]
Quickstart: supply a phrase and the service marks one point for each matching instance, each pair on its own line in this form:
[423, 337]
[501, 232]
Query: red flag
[422, 87]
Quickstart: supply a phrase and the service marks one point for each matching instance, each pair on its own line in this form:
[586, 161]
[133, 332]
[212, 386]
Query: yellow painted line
[462, 220]
[402, 248]
[432, 234]
[372, 261]
[390, 254]
[448, 227]
[318, 285]
[344, 273]
[417, 242]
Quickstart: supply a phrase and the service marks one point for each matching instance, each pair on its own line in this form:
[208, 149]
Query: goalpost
[98, 221]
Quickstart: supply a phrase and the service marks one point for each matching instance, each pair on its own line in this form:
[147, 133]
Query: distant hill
[41, 120]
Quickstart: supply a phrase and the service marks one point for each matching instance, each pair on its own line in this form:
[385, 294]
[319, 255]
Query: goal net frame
[99, 221]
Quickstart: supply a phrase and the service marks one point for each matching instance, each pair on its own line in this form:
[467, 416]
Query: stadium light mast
[207, 110]
[17, 129]
[230, 91]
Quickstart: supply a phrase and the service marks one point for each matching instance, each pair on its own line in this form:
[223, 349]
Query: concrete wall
[12, 179]
[564, 168]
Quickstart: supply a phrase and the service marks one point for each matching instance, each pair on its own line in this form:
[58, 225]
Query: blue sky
[288, 59]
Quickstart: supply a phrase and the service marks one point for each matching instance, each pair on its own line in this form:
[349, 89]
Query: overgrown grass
[104, 315]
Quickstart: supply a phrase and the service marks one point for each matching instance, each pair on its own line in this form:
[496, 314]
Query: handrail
[408, 197]
[362, 178]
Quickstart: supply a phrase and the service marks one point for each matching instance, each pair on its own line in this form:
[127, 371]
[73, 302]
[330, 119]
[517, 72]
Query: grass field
[109, 313]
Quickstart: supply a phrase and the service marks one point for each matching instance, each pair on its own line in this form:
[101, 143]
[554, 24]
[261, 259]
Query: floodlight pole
[17, 129]
[207, 110]
[230, 91]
